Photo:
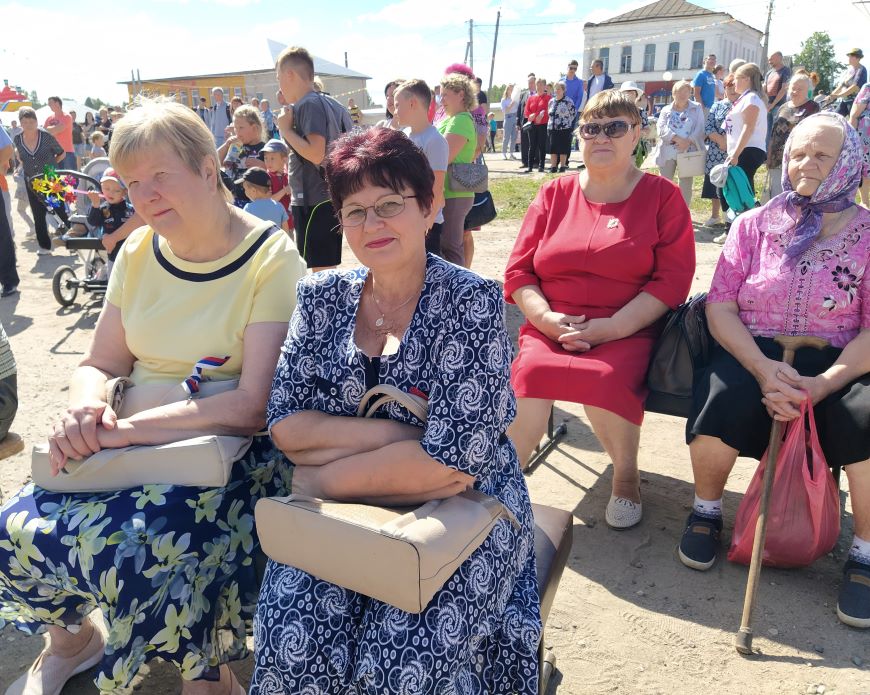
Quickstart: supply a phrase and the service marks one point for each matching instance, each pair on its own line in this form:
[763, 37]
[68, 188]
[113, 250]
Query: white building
[668, 36]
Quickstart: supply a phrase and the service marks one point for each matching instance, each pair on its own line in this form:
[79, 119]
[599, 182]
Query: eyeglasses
[614, 129]
[385, 208]
[572, 67]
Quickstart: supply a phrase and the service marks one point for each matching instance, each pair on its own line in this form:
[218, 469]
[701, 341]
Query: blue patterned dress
[481, 631]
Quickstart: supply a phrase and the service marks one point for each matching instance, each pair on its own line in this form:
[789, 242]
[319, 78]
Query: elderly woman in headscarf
[795, 266]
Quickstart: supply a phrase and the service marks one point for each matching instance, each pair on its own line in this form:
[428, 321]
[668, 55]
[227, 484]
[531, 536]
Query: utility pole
[494, 44]
[471, 44]
[766, 43]
[345, 59]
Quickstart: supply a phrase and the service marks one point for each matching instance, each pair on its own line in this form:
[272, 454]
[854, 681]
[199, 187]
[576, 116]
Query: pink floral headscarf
[835, 194]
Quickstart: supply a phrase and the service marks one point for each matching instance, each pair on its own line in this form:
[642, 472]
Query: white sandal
[622, 513]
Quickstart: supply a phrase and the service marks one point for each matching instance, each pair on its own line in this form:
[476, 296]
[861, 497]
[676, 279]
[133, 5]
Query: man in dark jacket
[521, 120]
[598, 81]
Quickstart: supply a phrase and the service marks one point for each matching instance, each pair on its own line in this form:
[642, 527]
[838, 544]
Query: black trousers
[40, 224]
[8, 272]
[525, 139]
[433, 239]
[749, 160]
[538, 147]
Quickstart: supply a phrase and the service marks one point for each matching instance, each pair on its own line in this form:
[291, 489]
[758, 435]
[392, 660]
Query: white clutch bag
[198, 461]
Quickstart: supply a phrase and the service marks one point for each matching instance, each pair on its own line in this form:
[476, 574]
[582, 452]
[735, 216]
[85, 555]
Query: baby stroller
[65, 283]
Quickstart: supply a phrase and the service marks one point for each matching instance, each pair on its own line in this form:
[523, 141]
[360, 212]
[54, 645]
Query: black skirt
[727, 405]
[560, 141]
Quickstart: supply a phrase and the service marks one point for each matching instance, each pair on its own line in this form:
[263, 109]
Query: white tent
[68, 105]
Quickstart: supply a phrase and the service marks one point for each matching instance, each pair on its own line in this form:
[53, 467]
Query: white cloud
[558, 8]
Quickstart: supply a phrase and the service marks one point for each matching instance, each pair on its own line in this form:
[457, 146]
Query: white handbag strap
[417, 406]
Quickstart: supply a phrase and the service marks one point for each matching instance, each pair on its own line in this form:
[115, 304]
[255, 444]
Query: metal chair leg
[554, 436]
[546, 667]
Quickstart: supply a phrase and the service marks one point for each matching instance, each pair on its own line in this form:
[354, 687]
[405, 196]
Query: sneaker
[853, 603]
[50, 672]
[714, 222]
[9, 291]
[43, 252]
[699, 545]
[720, 239]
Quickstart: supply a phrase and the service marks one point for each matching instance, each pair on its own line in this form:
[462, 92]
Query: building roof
[662, 9]
[322, 67]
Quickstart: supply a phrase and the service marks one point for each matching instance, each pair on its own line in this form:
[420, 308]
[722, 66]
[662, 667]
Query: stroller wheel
[64, 285]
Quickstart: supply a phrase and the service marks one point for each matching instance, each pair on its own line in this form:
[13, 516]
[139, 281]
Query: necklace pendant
[380, 322]
[613, 223]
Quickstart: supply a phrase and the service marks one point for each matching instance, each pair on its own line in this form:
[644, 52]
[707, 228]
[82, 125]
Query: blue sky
[385, 39]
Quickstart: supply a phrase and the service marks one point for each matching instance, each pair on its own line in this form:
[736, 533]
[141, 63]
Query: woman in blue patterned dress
[169, 568]
[714, 131]
[425, 326]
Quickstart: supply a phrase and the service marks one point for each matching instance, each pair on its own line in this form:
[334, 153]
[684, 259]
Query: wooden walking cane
[743, 638]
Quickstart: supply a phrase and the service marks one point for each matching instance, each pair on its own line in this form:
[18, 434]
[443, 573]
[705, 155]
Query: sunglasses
[386, 207]
[614, 129]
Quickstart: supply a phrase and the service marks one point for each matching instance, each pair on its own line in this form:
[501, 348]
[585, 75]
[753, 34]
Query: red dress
[594, 258]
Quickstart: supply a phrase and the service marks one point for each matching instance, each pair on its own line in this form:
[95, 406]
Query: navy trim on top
[215, 274]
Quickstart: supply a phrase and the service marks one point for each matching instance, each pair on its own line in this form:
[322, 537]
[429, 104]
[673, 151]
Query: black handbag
[683, 350]
[482, 212]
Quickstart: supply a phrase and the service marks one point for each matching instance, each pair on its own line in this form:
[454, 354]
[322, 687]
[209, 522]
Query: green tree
[495, 93]
[817, 55]
[37, 104]
[94, 103]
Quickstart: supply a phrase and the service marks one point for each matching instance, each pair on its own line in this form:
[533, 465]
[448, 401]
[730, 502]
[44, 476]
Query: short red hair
[378, 157]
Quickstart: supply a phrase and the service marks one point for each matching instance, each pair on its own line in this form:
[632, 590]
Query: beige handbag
[401, 556]
[691, 163]
[199, 461]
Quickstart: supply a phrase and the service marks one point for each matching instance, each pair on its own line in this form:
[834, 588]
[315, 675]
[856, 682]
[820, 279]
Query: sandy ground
[628, 618]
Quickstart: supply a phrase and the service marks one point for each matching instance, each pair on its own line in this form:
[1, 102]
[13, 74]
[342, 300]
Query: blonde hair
[317, 84]
[456, 82]
[678, 85]
[160, 122]
[753, 72]
[611, 103]
[298, 60]
[97, 135]
[252, 115]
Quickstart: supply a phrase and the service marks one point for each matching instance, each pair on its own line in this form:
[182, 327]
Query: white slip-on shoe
[622, 513]
[49, 673]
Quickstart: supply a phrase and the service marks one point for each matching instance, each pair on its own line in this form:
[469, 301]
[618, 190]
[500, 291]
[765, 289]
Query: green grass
[514, 194]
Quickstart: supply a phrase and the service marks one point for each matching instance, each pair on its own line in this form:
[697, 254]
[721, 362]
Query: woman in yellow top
[170, 568]
[458, 97]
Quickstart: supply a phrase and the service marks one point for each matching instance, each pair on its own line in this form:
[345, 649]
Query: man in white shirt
[598, 81]
[411, 102]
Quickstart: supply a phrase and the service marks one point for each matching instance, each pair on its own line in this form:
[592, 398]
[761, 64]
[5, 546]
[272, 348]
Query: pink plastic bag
[803, 520]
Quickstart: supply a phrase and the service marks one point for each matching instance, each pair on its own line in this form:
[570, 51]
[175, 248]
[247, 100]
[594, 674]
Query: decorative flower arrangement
[54, 191]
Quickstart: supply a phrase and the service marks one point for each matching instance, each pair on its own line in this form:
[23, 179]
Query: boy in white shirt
[412, 99]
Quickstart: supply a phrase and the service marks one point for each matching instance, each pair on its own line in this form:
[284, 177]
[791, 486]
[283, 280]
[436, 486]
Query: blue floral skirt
[170, 568]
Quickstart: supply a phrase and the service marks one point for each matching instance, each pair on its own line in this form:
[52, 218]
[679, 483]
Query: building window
[194, 97]
[674, 55]
[625, 61]
[237, 91]
[182, 96]
[604, 57]
[649, 57]
[697, 54]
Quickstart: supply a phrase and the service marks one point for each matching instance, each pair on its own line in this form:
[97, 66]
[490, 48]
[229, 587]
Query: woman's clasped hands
[577, 333]
[83, 431]
[784, 389]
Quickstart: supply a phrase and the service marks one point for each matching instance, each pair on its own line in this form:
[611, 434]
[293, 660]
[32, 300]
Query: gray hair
[215, 90]
[800, 77]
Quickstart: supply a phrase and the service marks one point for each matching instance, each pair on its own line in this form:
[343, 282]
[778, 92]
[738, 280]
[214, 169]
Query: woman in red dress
[599, 259]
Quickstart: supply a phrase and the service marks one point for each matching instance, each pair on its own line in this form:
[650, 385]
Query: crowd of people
[228, 217]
